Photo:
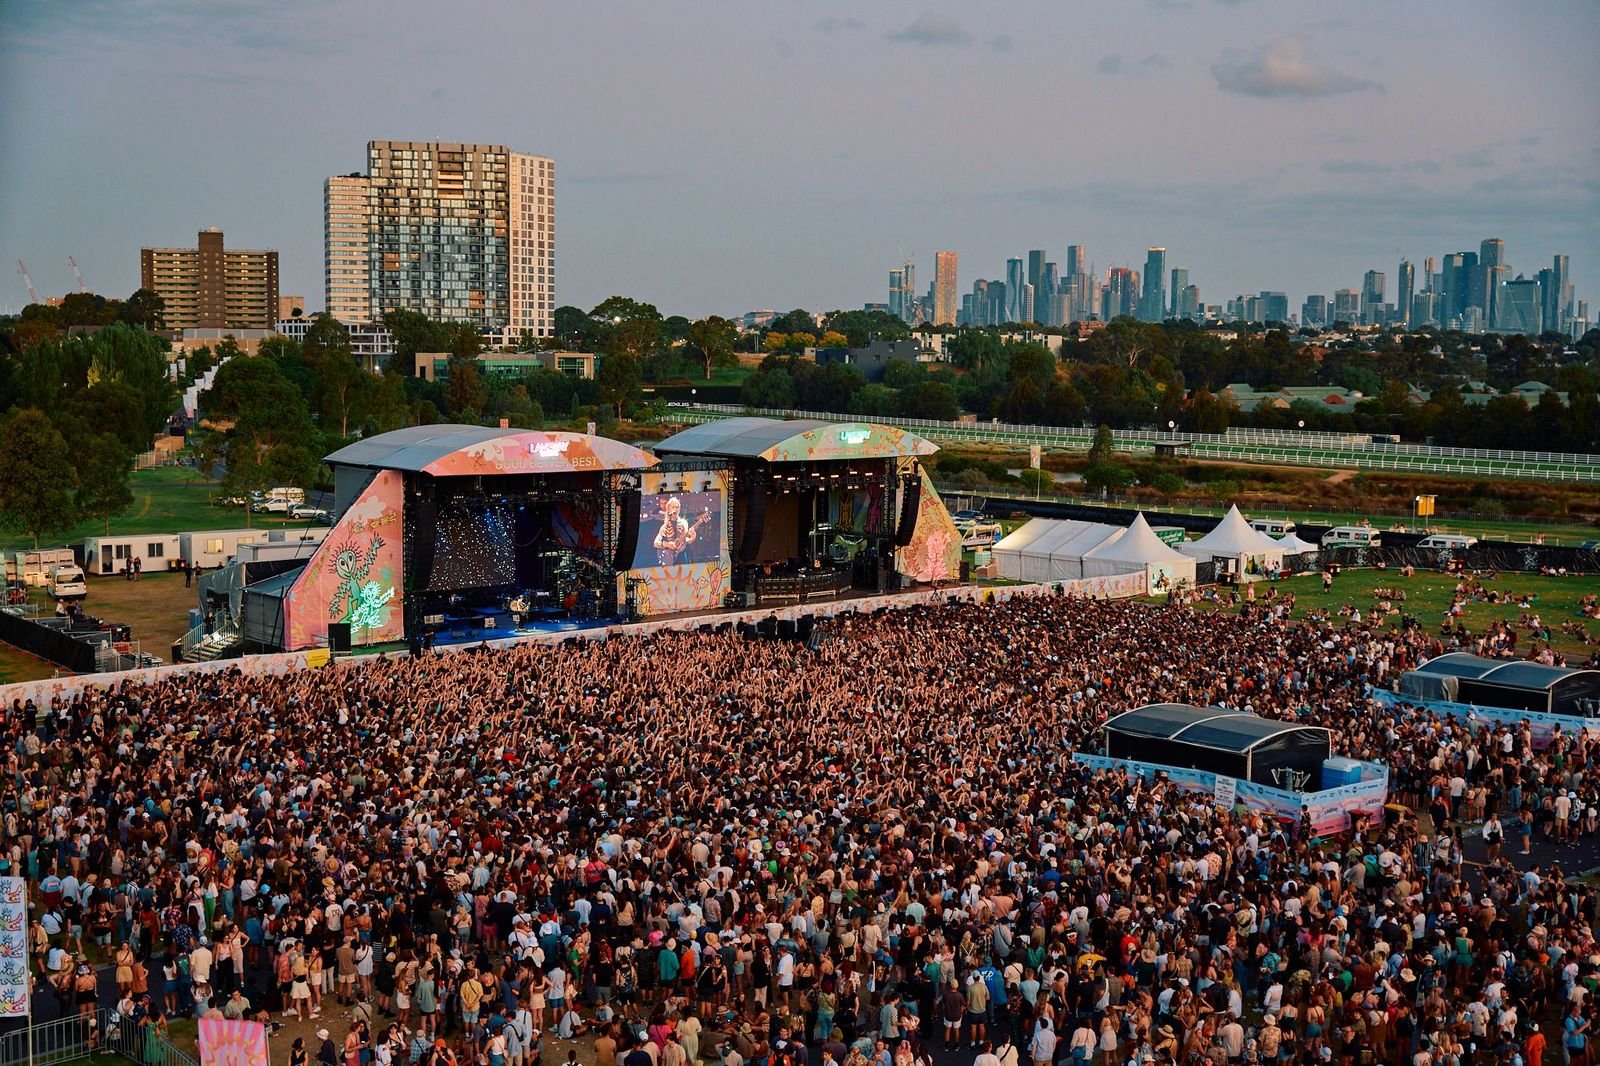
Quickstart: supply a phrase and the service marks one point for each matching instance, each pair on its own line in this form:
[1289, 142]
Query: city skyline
[1313, 145]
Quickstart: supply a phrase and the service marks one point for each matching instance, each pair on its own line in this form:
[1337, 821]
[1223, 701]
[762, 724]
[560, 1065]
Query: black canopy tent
[1509, 684]
[1221, 741]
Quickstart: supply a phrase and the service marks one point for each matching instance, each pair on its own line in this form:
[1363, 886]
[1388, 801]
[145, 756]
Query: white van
[66, 582]
[1453, 541]
[1352, 537]
[1276, 528]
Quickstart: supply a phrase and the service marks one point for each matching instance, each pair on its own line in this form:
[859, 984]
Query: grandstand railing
[1308, 450]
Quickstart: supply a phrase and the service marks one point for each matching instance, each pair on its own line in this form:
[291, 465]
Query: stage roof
[1516, 673]
[452, 450]
[1209, 727]
[796, 440]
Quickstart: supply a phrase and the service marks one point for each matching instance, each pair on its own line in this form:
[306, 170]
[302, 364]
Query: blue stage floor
[533, 627]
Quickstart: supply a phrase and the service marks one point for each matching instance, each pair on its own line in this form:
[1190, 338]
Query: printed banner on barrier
[1225, 793]
[231, 1043]
[14, 948]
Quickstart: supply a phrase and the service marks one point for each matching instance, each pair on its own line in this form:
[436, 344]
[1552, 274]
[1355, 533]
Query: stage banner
[1540, 724]
[14, 1001]
[356, 575]
[934, 553]
[232, 1043]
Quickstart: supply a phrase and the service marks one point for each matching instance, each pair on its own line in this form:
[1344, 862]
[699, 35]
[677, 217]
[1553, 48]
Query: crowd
[697, 847]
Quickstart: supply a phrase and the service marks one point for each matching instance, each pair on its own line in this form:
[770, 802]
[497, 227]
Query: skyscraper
[1346, 306]
[1180, 281]
[1491, 254]
[208, 286]
[1013, 290]
[1520, 310]
[896, 287]
[1036, 260]
[1407, 285]
[1154, 302]
[1372, 298]
[1274, 307]
[1314, 312]
[1046, 301]
[1077, 261]
[460, 232]
[944, 288]
[903, 293]
[1558, 295]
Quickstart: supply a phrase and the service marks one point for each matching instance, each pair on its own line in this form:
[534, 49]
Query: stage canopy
[454, 450]
[799, 440]
[1220, 740]
[1513, 684]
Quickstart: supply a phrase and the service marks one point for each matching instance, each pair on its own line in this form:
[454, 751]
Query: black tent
[1509, 684]
[1222, 741]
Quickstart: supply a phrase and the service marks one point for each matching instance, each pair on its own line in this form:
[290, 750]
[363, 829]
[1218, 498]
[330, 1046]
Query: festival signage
[1541, 724]
[1225, 793]
[224, 1042]
[14, 948]
[356, 574]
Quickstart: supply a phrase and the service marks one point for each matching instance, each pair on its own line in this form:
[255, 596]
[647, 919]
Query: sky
[722, 157]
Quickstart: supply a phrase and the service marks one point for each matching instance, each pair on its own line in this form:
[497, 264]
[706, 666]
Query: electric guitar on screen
[675, 535]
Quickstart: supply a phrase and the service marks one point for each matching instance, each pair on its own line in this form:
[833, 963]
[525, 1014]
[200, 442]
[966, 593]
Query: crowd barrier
[1541, 724]
[1115, 587]
[1500, 556]
[1328, 809]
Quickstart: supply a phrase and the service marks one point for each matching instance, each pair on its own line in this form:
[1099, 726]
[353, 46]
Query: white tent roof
[1293, 545]
[1234, 536]
[1138, 544]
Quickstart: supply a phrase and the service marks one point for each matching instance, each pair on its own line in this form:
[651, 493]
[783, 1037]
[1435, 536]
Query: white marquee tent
[1250, 550]
[1050, 549]
[1139, 549]
[1293, 545]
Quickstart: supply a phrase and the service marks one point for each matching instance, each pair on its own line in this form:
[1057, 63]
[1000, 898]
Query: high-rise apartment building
[1406, 287]
[944, 288]
[209, 286]
[1558, 294]
[1046, 301]
[1036, 261]
[346, 245]
[1346, 306]
[458, 232]
[1153, 303]
[903, 293]
[1121, 294]
[1189, 305]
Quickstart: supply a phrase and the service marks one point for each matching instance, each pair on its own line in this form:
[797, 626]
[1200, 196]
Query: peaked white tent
[1139, 549]
[1293, 545]
[1250, 550]
[1049, 549]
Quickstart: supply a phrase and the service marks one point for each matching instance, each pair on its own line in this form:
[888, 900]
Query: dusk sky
[719, 157]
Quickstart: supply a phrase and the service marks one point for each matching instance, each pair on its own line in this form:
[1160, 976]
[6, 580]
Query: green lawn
[1428, 597]
[169, 499]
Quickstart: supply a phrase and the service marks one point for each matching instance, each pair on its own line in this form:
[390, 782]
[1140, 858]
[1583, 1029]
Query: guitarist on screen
[676, 534]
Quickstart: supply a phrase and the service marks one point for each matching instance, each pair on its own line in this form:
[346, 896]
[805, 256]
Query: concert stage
[448, 534]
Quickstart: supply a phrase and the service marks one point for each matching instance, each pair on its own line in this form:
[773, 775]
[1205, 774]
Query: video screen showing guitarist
[681, 539]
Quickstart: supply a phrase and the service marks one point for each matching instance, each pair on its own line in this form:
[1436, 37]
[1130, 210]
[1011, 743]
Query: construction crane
[33, 297]
[83, 286]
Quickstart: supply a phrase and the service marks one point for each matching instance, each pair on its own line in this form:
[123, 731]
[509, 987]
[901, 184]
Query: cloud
[1355, 166]
[1114, 64]
[929, 31]
[837, 25]
[1000, 42]
[1283, 70]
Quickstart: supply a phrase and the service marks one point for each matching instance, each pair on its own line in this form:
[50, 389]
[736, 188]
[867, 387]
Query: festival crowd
[697, 847]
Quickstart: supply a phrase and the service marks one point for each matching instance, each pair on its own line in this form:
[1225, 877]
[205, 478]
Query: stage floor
[464, 633]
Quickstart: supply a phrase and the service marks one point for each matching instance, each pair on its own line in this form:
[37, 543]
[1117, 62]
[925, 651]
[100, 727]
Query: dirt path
[1339, 477]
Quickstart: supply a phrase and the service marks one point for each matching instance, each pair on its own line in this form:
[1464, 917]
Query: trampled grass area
[155, 608]
[1428, 597]
[169, 499]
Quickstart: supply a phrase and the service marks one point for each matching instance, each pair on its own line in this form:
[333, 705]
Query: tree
[37, 478]
[618, 379]
[104, 465]
[1033, 363]
[627, 326]
[771, 387]
[973, 349]
[139, 360]
[574, 329]
[464, 392]
[930, 398]
[875, 401]
[1100, 477]
[711, 342]
[412, 332]
[796, 321]
[1103, 448]
[145, 309]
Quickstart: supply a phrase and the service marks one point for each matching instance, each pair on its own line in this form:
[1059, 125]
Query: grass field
[168, 499]
[1428, 597]
[156, 607]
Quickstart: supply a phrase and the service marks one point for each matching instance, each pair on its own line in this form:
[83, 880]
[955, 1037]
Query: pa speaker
[627, 532]
[755, 520]
[424, 533]
[339, 636]
[910, 501]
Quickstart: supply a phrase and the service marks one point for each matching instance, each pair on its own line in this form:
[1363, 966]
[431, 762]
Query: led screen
[677, 528]
[475, 546]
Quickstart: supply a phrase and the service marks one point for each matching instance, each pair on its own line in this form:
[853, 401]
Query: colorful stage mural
[934, 553]
[356, 575]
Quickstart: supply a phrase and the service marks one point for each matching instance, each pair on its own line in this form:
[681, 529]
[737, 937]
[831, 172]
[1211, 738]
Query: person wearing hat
[327, 1053]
